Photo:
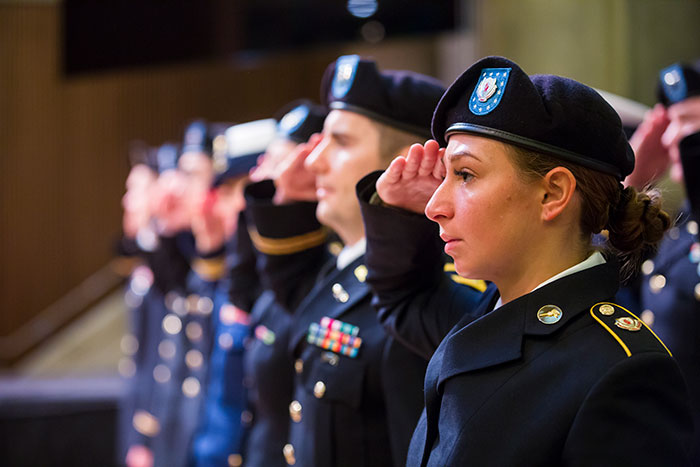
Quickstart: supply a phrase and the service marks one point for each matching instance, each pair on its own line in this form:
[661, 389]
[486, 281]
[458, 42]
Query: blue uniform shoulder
[633, 335]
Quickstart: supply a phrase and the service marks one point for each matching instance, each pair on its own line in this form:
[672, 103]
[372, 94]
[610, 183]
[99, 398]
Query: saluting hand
[294, 182]
[207, 226]
[651, 156]
[685, 120]
[411, 180]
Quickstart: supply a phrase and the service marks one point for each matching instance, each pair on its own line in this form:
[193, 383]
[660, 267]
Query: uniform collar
[497, 336]
[594, 259]
[350, 253]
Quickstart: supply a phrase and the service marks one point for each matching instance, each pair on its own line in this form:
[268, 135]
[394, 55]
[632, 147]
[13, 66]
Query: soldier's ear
[559, 186]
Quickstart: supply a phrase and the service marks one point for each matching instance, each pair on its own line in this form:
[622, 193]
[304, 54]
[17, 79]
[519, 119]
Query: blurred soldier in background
[269, 373]
[158, 290]
[669, 138]
[219, 440]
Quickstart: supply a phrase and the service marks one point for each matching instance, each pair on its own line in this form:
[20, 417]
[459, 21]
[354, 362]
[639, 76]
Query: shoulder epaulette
[476, 284]
[626, 328]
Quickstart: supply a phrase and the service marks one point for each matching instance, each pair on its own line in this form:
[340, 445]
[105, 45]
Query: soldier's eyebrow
[342, 135]
[459, 154]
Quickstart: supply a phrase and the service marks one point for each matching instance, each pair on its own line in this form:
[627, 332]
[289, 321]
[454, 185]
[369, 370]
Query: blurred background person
[669, 140]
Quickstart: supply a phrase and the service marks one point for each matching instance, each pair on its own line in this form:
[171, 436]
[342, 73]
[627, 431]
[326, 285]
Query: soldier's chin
[323, 212]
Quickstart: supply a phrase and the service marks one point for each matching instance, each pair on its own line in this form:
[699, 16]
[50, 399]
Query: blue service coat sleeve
[244, 286]
[290, 243]
[641, 431]
[690, 159]
[415, 300]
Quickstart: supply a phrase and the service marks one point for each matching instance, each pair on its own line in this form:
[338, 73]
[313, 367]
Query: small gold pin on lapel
[549, 314]
[606, 310]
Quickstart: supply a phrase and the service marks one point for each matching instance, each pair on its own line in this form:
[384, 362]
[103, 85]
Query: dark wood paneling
[63, 141]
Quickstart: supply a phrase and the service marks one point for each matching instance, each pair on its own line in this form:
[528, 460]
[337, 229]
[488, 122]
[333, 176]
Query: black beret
[401, 99]
[198, 138]
[301, 119]
[678, 82]
[141, 154]
[236, 149]
[558, 116]
[167, 156]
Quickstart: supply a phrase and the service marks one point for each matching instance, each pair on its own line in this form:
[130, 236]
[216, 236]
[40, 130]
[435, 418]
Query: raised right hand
[294, 182]
[411, 180]
[651, 156]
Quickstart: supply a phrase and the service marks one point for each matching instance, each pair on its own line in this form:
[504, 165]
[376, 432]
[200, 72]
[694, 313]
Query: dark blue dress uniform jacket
[339, 414]
[269, 377]
[160, 339]
[224, 421]
[670, 290]
[503, 388]
[268, 367]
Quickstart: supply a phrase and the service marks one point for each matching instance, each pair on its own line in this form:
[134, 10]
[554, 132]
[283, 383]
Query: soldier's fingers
[413, 161]
[430, 155]
[314, 140]
[439, 170]
[394, 173]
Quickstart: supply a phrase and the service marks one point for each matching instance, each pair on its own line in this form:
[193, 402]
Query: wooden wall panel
[616, 45]
[63, 143]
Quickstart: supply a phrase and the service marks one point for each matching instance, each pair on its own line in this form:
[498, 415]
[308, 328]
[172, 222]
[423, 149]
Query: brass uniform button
[191, 387]
[549, 314]
[194, 359]
[339, 293]
[191, 303]
[172, 324]
[295, 411]
[288, 452]
[205, 306]
[298, 365]
[648, 317]
[319, 389]
[696, 291]
[361, 273]
[247, 417]
[235, 460]
[161, 373]
[647, 267]
[167, 349]
[145, 423]
[656, 283]
[606, 310]
[194, 332]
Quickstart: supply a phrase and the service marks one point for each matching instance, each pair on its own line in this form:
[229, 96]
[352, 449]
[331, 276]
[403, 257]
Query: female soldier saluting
[548, 370]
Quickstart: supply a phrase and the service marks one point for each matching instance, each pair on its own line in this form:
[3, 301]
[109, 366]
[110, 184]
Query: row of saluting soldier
[302, 296]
